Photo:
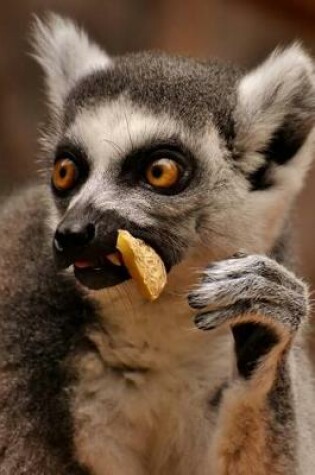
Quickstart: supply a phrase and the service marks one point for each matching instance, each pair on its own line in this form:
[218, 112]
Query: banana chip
[143, 264]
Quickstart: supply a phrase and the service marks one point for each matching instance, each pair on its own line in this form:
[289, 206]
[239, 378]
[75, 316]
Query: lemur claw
[238, 288]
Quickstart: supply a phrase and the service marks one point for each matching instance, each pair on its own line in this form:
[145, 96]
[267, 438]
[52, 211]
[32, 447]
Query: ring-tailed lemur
[201, 161]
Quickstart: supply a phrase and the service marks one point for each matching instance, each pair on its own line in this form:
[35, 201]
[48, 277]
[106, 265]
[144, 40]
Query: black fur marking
[287, 140]
[283, 146]
[216, 398]
[282, 406]
[252, 341]
[259, 179]
[283, 418]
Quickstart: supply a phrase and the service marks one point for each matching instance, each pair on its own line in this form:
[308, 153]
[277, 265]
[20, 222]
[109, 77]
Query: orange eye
[163, 173]
[65, 174]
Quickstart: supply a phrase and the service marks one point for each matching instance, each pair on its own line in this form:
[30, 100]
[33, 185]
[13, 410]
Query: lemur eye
[65, 174]
[163, 173]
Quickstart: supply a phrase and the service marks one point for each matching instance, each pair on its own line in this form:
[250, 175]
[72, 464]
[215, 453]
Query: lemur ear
[274, 116]
[65, 53]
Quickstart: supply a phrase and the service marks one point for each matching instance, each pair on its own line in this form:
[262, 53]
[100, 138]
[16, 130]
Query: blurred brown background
[242, 31]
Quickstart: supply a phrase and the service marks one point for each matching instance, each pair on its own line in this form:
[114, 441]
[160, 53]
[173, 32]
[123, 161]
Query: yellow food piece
[143, 264]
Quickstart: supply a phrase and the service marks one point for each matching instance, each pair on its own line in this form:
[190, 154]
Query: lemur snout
[83, 240]
[71, 236]
[85, 237]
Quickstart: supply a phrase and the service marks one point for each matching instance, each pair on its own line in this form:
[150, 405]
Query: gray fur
[40, 320]
[99, 381]
[192, 91]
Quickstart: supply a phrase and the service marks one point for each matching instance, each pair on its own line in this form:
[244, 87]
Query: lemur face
[138, 170]
[189, 156]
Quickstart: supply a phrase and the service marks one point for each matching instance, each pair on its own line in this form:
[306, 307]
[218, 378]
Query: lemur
[202, 161]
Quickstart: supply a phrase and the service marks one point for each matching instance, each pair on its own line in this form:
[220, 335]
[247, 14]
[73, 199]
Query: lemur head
[194, 157]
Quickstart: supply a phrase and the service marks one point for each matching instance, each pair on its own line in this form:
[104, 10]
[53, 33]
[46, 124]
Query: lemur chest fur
[143, 392]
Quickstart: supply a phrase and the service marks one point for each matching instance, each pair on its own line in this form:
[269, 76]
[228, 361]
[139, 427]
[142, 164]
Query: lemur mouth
[100, 265]
[103, 271]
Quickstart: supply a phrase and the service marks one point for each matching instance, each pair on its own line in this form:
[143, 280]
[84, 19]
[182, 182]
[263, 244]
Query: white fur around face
[66, 54]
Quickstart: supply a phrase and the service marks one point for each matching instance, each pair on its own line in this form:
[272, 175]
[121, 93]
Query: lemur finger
[239, 266]
[259, 313]
[213, 319]
[227, 292]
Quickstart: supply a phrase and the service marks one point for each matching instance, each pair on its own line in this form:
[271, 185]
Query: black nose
[73, 236]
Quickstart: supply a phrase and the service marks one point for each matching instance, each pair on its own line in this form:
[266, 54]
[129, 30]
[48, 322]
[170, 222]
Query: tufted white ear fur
[276, 109]
[66, 54]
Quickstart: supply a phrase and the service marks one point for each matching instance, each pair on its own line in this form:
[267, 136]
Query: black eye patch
[76, 154]
[135, 166]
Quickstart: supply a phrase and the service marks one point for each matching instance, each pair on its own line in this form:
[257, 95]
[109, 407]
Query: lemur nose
[74, 236]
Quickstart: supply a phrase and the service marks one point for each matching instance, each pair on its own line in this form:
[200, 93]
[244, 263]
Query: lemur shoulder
[213, 378]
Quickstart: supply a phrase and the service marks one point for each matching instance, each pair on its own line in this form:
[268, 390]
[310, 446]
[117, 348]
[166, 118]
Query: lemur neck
[123, 303]
[142, 333]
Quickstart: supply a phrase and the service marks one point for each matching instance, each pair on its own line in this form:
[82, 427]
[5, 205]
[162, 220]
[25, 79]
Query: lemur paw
[260, 299]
